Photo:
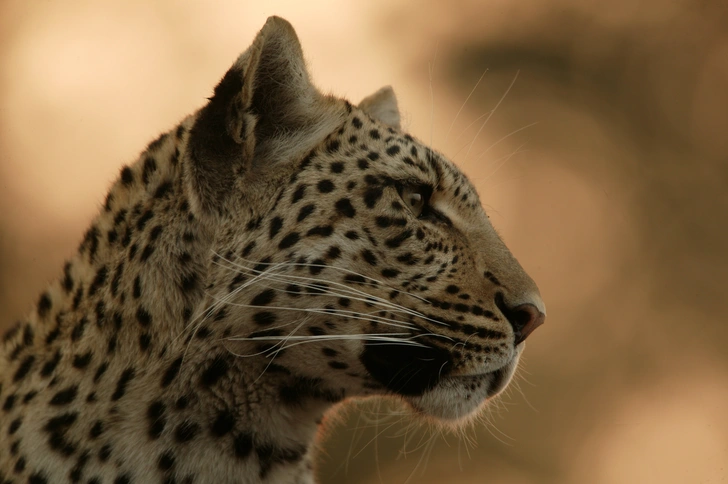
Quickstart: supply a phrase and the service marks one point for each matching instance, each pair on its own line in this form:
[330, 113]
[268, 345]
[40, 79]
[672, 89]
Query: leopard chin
[425, 376]
[458, 397]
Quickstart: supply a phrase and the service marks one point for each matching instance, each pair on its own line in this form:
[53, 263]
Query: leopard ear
[264, 111]
[382, 106]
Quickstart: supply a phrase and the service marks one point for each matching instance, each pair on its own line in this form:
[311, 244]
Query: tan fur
[256, 266]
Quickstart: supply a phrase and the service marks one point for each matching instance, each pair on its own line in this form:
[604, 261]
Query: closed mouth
[412, 371]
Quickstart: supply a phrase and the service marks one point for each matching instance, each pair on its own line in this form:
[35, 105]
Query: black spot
[333, 146]
[243, 445]
[82, 361]
[105, 453]
[338, 365]
[289, 240]
[248, 248]
[157, 420]
[65, 396]
[123, 479]
[264, 318]
[111, 347]
[298, 194]
[489, 275]
[345, 208]
[356, 122]
[217, 369]
[374, 134]
[355, 278]
[372, 196]
[389, 273]
[223, 423]
[77, 471]
[362, 163]
[317, 266]
[396, 241]
[91, 240]
[37, 478]
[100, 311]
[15, 425]
[143, 316]
[145, 340]
[393, 150]
[44, 305]
[264, 298]
[116, 281]
[142, 221]
[96, 430]
[146, 253]
[337, 167]
[67, 281]
[321, 230]
[155, 233]
[374, 156]
[369, 257]
[132, 249]
[150, 166]
[78, 330]
[126, 376]
[351, 235]
[275, 226]
[305, 212]
[166, 461]
[29, 396]
[100, 371]
[24, 368]
[182, 402]
[172, 371]
[186, 431]
[51, 364]
[333, 253]
[162, 190]
[189, 282]
[127, 176]
[53, 335]
[325, 186]
[137, 288]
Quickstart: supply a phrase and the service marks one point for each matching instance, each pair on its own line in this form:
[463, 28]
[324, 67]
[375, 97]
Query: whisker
[465, 103]
[491, 114]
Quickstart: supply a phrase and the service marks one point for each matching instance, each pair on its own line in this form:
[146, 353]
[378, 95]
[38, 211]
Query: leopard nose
[524, 318]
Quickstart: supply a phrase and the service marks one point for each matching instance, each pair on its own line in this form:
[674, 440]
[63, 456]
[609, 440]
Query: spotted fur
[276, 253]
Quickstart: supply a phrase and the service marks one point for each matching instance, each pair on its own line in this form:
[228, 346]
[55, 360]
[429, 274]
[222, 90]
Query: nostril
[524, 318]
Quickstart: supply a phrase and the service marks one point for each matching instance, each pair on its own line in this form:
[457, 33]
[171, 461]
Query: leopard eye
[415, 198]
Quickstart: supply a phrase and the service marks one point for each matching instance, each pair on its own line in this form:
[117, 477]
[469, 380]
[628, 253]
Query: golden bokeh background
[605, 167]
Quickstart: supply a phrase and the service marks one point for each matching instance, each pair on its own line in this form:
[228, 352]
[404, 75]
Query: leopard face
[368, 264]
[277, 252]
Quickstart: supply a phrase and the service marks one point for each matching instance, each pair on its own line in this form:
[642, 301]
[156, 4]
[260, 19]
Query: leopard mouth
[457, 397]
[424, 376]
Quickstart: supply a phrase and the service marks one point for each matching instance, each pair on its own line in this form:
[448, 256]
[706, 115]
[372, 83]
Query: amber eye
[415, 198]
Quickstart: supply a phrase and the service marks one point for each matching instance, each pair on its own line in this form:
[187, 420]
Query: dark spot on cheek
[325, 186]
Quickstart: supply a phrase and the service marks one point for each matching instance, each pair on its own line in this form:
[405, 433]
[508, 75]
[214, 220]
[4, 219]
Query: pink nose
[524, 318]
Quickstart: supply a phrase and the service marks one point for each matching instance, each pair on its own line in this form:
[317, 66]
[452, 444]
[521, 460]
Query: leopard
[278, 253]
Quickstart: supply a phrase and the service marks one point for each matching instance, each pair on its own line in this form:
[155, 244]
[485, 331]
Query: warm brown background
[615, 200]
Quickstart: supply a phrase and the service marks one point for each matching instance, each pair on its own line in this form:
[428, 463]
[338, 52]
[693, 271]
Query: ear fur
[382, 106]
[264, 111]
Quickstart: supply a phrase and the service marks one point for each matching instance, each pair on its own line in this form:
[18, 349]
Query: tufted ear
[382, 106]
[264, 111]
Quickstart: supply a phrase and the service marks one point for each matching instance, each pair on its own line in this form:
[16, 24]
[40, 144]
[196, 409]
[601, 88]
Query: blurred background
[605, 168]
